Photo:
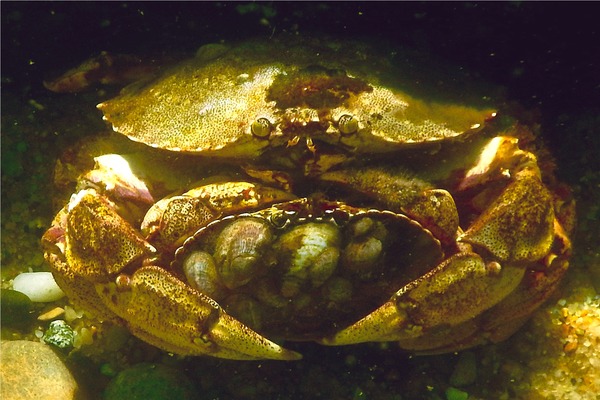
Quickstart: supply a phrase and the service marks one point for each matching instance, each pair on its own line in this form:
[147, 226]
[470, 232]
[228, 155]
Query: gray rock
[16, 309]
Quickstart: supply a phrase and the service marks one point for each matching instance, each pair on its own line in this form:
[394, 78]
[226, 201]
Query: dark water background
[547, 55]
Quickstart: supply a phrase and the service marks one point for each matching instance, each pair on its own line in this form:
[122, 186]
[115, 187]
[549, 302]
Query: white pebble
[40, 287]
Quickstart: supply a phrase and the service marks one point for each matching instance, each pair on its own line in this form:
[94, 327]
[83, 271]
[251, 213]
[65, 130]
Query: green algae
[150, 382]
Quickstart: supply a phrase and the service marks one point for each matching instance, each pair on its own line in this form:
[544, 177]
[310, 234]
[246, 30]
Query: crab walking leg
[162, 310]
[537, 286]
[459, 289]
[518, 227]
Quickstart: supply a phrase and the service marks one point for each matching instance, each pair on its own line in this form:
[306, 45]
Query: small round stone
[40, 287]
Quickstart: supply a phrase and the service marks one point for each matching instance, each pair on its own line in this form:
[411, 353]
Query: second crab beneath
[300, 270]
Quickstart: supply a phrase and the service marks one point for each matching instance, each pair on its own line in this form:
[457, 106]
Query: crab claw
[537, 286]
[164, 227]
[156, 306]
[433, 208]
[114, 176]
[531, 224]
[163, 311]
[111, 243]
[456, 291]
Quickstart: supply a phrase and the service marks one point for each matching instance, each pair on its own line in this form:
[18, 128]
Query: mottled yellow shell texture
[294, 88]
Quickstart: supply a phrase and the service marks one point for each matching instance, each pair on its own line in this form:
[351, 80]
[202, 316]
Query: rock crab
[350, 211]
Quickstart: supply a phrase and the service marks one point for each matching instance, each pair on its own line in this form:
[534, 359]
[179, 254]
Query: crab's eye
[347, 124]
[261, 128]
